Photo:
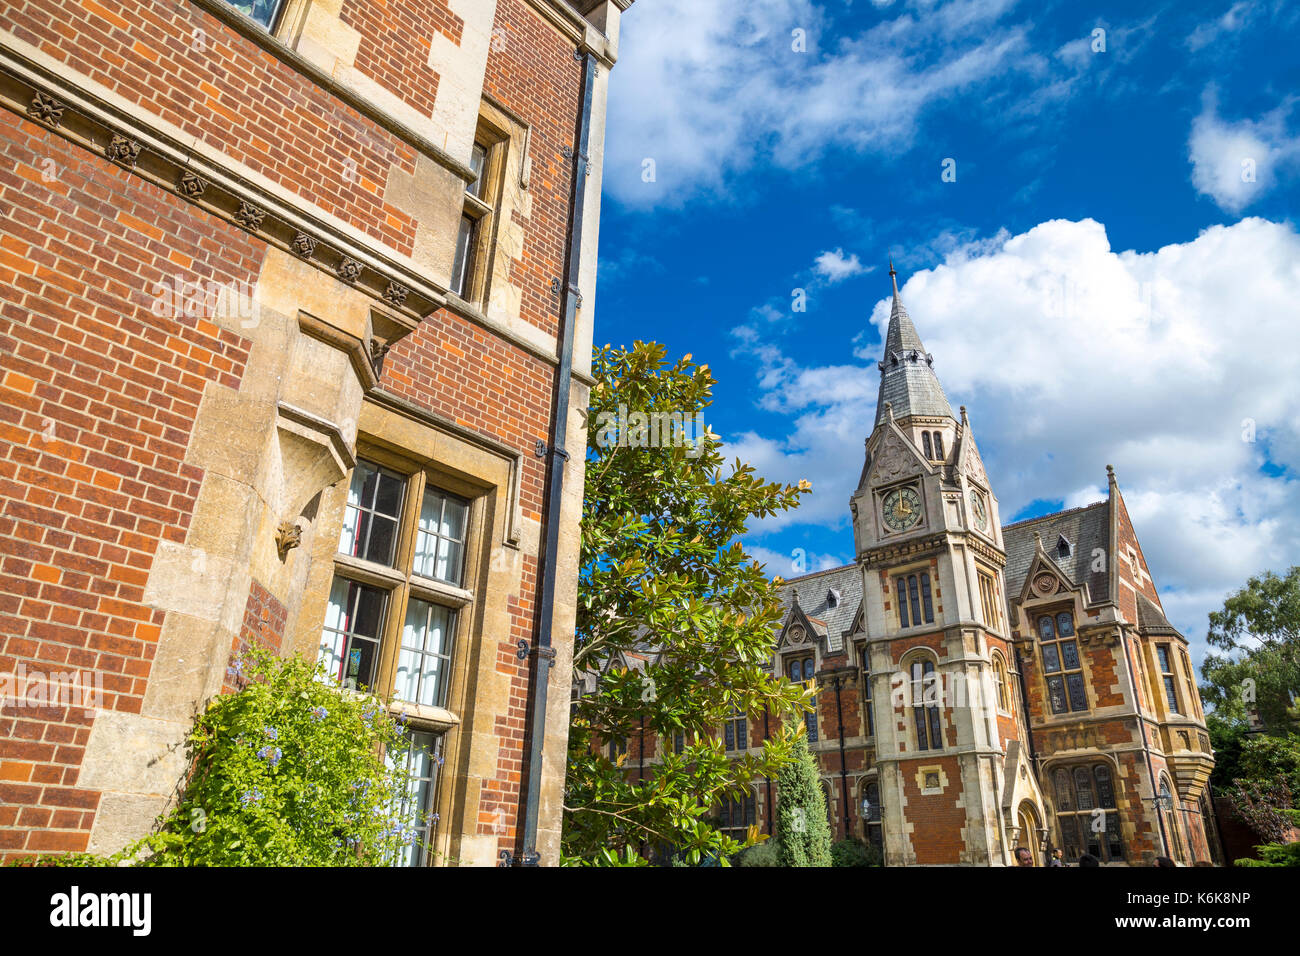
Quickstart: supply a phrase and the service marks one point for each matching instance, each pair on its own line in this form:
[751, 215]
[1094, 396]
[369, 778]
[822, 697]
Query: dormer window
[832, 598]
[1063, 549]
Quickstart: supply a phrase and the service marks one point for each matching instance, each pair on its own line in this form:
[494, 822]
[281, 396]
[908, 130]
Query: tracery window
[1086, 812]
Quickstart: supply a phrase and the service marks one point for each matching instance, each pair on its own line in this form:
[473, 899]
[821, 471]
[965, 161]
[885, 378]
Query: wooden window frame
[482, 209]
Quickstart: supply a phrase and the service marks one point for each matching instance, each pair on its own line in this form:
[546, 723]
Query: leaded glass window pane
[1045, 630]
[425, 656]
[440, 537]
[1078, 696]
[1083, 788]
[927, 605]
[1065, 624]
[902, 603]
[1064, 792]
[914, 599]
[1056, 692]
[1105, 792]
[1051, 658]
[349, 645]
[1070, 655]
[373, 508]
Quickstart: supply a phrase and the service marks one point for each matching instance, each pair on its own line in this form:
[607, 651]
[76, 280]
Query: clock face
[901, 509]
[980, 511]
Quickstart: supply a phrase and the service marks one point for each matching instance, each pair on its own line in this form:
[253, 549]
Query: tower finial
[893, 277]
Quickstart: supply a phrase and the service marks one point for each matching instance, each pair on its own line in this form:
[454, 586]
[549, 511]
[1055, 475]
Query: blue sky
[1112, 277]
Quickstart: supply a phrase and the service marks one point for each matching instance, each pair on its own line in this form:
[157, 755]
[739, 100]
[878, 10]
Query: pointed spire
[907, 378]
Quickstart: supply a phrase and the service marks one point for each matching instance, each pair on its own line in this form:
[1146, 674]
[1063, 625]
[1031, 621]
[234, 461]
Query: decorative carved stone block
[190, 185]
[287, 537]
[304, 245]
[249, 216]
[122, 151]
[46, 109]
[349, 270]
[395, 294]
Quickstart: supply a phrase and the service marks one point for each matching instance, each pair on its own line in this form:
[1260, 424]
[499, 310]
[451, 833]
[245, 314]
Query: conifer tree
[802, 830]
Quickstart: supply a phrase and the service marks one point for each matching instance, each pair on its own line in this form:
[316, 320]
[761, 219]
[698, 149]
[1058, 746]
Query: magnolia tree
[674, 622]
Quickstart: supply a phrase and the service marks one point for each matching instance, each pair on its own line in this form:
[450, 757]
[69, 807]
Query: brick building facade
[982, 687]
[295, 301]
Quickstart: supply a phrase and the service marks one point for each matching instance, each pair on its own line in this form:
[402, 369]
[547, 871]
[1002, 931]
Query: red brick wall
[264, 620]
[937, 819]
[532, 72]
[231, 94]
[98, 397]
[395, 43]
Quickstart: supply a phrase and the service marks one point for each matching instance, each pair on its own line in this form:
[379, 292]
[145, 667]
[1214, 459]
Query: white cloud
[1071, 355]
[834, 266]
[794, 563]
[706, 88]
[1237, 163]
[1234, 20]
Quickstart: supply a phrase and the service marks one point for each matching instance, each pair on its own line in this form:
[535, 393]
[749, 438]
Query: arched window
[871, 813]
[925, 441]
[800, 670]
[1003, 683]
[914, 595]
[925, 705]
[1062, 667]
[938, 445]
[1086, 812]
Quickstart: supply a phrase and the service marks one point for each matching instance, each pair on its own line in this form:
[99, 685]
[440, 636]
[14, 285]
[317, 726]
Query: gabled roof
[1086, 528]
[907, 379]
[813, 590]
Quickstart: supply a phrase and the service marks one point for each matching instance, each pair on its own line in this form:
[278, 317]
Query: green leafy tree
[673, 619]
[1259, 631]
[285, 772]
[801, 825]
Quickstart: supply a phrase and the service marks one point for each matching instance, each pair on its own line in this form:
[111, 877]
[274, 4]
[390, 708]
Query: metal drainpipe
[544, 653]
[1146, 751]
[844, 776]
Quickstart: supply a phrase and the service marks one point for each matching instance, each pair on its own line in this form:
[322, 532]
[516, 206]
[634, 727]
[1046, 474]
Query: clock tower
[955, 782]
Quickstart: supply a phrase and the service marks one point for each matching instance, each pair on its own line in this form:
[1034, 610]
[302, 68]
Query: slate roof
[813, 600]
[1152, 620]
[907, 379]
[1084, 528]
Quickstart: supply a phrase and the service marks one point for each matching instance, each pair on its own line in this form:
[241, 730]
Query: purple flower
[271, 754]
[250, 797]
[236, 668]
[271, 733]
[319, 713]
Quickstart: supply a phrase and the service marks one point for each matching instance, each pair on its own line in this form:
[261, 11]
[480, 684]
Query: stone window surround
[484, 478]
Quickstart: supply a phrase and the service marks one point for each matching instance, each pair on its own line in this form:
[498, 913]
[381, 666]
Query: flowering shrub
[286, 772]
